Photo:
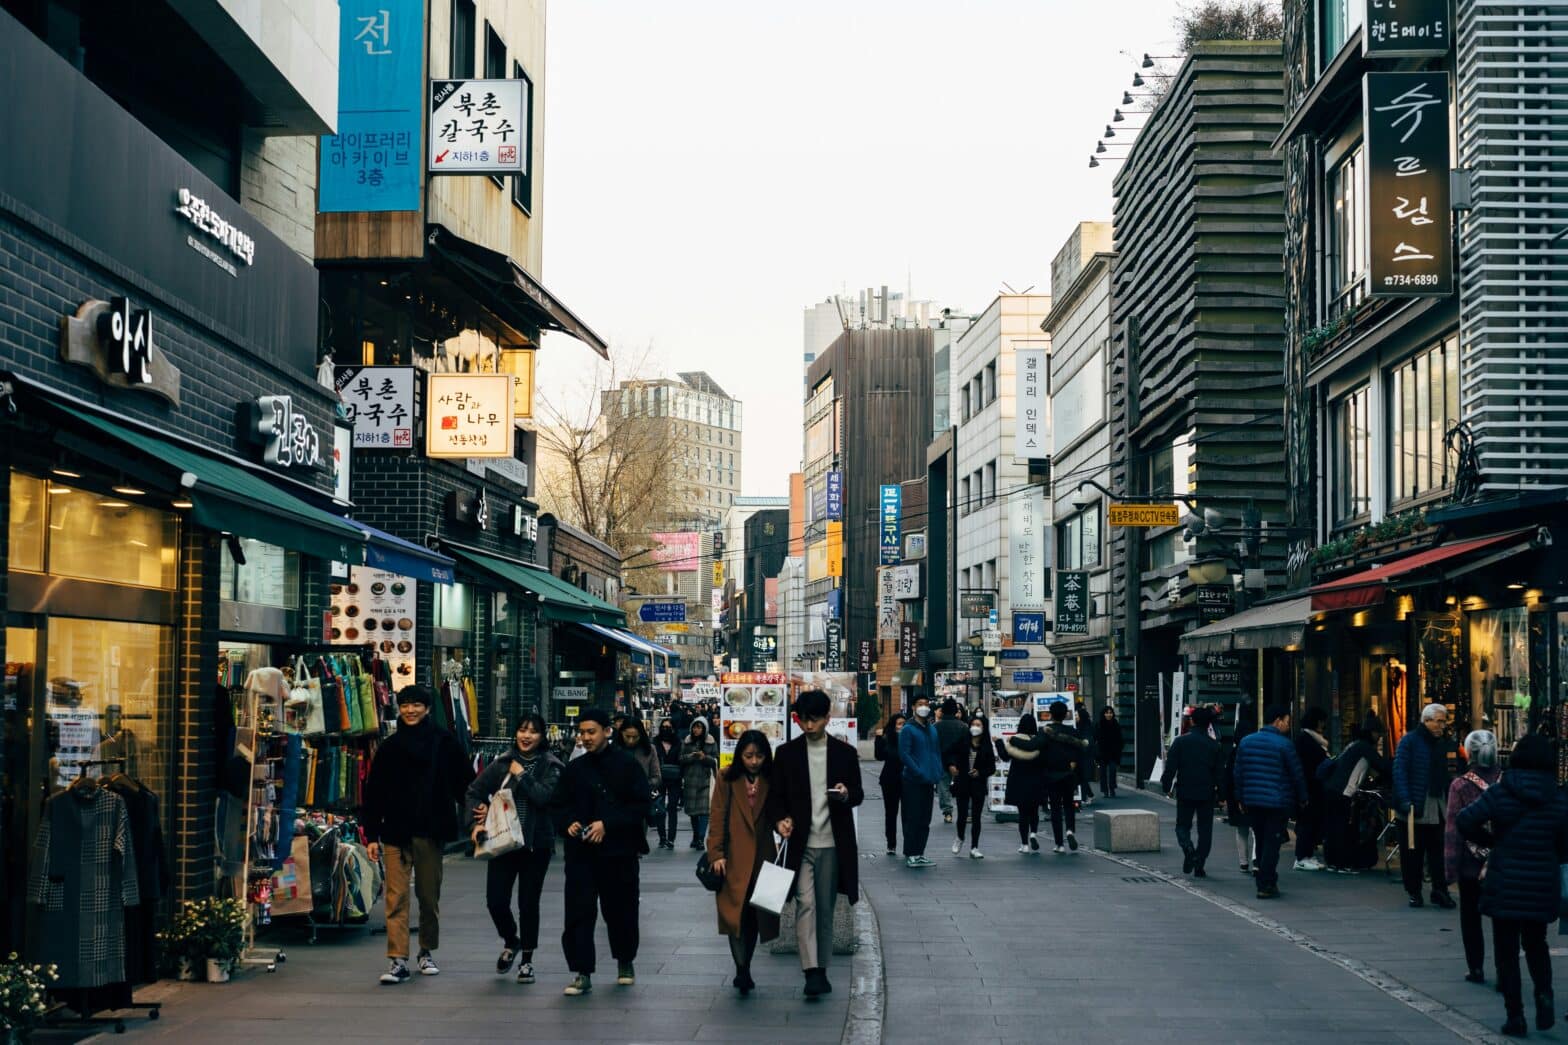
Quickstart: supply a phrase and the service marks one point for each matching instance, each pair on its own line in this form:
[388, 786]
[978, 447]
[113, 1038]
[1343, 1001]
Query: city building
[870, 308]
[767, 546]
[1197, 303]
[1079, 325]
[944, 332]
[703, 425]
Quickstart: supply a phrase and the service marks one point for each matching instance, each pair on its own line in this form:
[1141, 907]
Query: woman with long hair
[1025, 784]
[970, 763]
[891, 776]
[699, 761]
[1108, 743]
[740, 841]
[668, 745]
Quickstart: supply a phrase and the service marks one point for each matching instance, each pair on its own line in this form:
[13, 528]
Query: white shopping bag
[774, 883]
[503, 827]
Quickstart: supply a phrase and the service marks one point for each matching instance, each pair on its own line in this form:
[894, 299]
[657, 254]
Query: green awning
[558, 600]
[227, 497]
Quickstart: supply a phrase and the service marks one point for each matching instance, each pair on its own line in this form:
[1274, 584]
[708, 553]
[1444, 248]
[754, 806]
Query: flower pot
[186, 970]
[217, 970]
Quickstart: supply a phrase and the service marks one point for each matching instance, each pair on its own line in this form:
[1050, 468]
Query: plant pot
[217, 970]
[186, 970]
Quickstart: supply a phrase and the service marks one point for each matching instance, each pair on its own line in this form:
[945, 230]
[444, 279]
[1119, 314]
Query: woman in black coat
[1246, 845]
[970, 764]
[891, 777]
[1523, 820]
[1108, 745]
[1025, 785]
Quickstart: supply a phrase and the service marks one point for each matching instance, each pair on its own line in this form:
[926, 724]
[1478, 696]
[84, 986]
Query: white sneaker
[1309, 864]
[958, 845]
[427, 964]
[1024, 850]
[976, 854]
[1060, 849]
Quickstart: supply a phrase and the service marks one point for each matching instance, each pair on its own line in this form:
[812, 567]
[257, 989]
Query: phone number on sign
[1426, 279]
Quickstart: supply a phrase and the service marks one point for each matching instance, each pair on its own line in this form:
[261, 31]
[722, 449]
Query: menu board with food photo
[1002, 727]
[751, 700]
[378, 608]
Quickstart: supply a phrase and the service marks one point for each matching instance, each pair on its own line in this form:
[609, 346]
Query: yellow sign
[469, 415]
[718, 573]
[519, 362]
[835, 549]
[572, 710]
[674, 629]
[1142, 515]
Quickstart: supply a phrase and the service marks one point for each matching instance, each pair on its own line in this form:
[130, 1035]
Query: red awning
[1368, 587]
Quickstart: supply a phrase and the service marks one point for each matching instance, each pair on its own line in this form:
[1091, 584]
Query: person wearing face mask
[668, 746]
[740, 840]
[919, 749]
[532, 774]
[417, 778]
[970, 763]
[699, 761]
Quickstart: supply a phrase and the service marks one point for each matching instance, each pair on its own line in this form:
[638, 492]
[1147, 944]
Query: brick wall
[194, 735]
[278, 186]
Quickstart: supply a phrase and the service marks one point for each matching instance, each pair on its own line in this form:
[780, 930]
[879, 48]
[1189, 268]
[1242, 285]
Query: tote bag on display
[774, 882]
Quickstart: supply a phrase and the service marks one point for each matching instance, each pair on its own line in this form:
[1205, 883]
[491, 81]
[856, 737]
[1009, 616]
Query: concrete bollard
[1126, 830]
[844, 939]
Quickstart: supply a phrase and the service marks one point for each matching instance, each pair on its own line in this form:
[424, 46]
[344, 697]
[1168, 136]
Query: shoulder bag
[711, 880]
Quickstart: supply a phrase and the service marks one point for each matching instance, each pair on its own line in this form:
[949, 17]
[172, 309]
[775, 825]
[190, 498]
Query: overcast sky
[712, 167]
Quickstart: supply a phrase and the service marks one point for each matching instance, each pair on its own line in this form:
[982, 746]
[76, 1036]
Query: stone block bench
[1126, 830]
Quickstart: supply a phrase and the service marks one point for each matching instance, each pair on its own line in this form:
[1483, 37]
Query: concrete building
[704, 425]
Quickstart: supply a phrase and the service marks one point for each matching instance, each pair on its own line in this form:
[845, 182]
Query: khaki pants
[421, 861]
[816, 891]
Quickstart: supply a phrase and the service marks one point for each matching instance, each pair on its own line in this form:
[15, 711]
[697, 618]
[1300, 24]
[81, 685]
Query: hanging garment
[83, 877]
[153, 877]
[288, 802]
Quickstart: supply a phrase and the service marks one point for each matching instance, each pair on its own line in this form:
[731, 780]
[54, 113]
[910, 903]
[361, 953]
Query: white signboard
[379, 608]
[906, 582]
[887, 605]
[468, 415]
[380, 405]
[1026, 526]
[477, 126]
[1030, 432]
[1002, 727]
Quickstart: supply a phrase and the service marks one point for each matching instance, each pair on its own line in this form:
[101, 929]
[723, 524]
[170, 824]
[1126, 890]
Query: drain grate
[1142, 880]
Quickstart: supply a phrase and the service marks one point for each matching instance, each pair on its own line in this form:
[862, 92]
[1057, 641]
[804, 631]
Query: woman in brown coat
[740, 841]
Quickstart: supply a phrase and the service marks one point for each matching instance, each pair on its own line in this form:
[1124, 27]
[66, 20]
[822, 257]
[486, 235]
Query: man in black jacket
[604, 808]
[1195, 764]
[416, 781]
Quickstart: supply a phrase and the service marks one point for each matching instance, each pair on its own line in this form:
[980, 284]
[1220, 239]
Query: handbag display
[774, 884]
[291, 893]
[503, 827]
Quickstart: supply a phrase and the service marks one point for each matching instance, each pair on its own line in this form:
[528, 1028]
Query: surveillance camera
[1079, 501]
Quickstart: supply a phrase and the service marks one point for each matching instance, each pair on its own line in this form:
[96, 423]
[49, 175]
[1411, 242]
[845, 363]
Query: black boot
[743, 981]
[1545, 1010]
[1516, 1027]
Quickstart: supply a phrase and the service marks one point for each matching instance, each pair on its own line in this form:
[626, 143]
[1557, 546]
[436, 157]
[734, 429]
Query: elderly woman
[1464, 860]
[740, 840]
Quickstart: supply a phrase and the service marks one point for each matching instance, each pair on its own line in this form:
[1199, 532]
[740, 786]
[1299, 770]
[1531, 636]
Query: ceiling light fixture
[114, 504]
[65, 473]
[180, 504]
[129, 491]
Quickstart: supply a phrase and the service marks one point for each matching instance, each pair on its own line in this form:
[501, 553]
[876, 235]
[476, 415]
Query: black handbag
[711, 880]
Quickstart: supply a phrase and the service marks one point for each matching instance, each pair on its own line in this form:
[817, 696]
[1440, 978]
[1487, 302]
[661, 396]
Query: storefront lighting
[1516, 587]
[180, 504]
[129, 491]
[1407, 606]
[1359, 619]
[1451, 600]
[135, 542]
[114, 504]
[65, 473]
[59, 489]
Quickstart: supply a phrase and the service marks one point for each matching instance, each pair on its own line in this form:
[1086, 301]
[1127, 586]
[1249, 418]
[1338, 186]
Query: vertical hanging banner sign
[1029, 431]
[1072, 602]
[908, 644]
[372, 163]
[835, 497]
[1026, 551]
[892, 502]
[1410, 227]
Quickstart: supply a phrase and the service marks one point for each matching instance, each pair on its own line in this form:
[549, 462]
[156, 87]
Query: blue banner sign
[373, 162]
[892, 526]
[835, 505]
[1014, 653]
[1028, 677]
[662, 613]
[1028, 628]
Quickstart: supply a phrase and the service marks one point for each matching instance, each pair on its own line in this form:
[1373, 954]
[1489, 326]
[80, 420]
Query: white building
[992, 482]
[792, 613]
[1079, 325]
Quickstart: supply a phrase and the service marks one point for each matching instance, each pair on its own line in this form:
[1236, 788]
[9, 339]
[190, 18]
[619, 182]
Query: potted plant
[208, 934]
[24, 996]
[178, 944]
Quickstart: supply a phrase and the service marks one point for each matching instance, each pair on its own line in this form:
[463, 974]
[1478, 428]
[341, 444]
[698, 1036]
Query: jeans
[944, 795]
[917, 817]
[1470, 922]
[699, 831]
[672, 812]
[892, 792]
[1269, 827]
[1309, 828]
[1204, 811]
[969, 809]
[1429, 844]
[1507, 936]
[1028, 821]
[597, 885]
[526, 868]
[420, 861]
[1060, 797]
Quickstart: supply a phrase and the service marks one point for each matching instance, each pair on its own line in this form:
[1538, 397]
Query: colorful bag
[315, 723]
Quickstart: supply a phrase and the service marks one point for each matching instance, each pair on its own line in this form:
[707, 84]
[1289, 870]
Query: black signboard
[834, 657]
[1409, 223]
[908, 644]
[1222, 669]
[1072, 602]
[1406, 28]
[965, 658]
[1214, 602]
[865, 662]
[976, 604]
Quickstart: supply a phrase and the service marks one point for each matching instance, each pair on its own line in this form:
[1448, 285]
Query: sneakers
[397, 972]
[1475, 976]
[582, 984]
[1034, 841]
[892, 851]
[427, 964]
[976, 854]
[919, 861]
[1246, 869]
[1416, 901]
[525, 972]
[503, 964]
[1024, 850]
[1059, 849]
[625, 975]
[1309, 864]
[958, 846]
[1072, 841]
[1199, 872]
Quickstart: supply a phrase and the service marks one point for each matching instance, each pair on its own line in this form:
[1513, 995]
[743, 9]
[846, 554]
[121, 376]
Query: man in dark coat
[1194, 765]
[816, 786]
[1425, 763]
[951, 729]
[604, 796]
[416, 781]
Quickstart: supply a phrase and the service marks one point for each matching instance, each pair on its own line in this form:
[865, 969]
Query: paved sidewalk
[328, 992]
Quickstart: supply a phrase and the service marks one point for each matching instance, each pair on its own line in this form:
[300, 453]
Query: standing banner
[372, 163]
[1410, 226]
[1026, 551]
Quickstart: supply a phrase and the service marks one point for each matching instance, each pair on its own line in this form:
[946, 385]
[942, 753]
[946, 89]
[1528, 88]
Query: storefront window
[268, 577]
[1425, 406]
[29, 505]
[1352, 456]
[1500, 670]
[106, 681]
[70, 532]
[452, 610]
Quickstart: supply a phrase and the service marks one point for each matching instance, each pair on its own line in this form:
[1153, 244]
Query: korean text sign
[1030, 433]
[1026, 551]
[380, 405]
[477, 126]
[892, 502]
[468, 415]
[1072, 602]
[1409, 223]
[372, 163]
[1406, 28]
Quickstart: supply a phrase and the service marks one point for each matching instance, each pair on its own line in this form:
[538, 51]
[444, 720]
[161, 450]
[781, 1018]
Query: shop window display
[105, 681]
[1500, 670]
[269, 575]
[69, 532]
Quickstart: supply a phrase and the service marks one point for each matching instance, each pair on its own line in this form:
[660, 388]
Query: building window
[1170, 468]
[1078, 540]
[463, 39]
[1352, 456]
[523, 183]
[1425, 405]
[71, 532]
[963, 402]
[495, 67]
[1347, 245]
[963, 496]
[990, 382]
[1340, 19]
[990, 482]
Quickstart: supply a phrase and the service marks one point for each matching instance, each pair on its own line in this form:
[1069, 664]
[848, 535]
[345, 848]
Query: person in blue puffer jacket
[1425, 763]
[1270, 784]
[920, 751]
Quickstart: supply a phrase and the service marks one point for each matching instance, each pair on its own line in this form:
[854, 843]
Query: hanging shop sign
[835, 499]
[764, 647]
[906, 582]
[892, 501]
[1142, 514]
[1026, 527]
[908, 644]
[914, 546]
[1015, 653]
[865, 660]
[1029, 434]
[372, 162]
[114, 339]
[887, 604]
[477, 126]
[835, 549]
[285, 435]
[380, 405]
[468, 415]
[1409, 223]
[834, 641]
[379, 608]
[470, 509]
[342, 457]
[1406, 29]
[976, 605]
[1028, 628]
[1214, 602]
[1072, 602]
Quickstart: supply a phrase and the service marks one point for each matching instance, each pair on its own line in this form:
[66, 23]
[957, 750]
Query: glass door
[21, 780]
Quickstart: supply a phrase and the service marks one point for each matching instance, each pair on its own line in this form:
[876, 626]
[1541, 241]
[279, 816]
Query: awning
[558, 601]
[641, 651]
[1274, 625]
[502, 284]
[230, 498]
[1368, 587]
[392, 553]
